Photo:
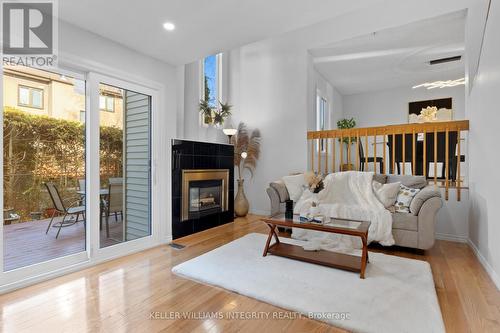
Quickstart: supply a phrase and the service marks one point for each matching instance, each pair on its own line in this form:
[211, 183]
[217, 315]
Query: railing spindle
[425, 155]
[357, 150]
[404, 152]
[319, 155]
[457, 176]
[447, 157]
[435, 155]
[393, 153]
[341, 151]
[414, 154]
[366, 150]
[312, 155]
[349, 150]
[334, 161]
[384, 148]
[326, 156]
[375, 153]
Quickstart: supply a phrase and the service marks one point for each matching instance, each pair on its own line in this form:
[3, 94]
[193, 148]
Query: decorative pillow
[405, 196]
[295, 185]
[386, 193]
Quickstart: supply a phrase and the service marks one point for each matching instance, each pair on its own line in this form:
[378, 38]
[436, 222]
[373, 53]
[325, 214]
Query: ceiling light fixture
[441, 84]
[169, 26]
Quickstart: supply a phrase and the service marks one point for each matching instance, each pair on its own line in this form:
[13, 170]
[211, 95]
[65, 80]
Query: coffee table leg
[364, 257]
[271, 233]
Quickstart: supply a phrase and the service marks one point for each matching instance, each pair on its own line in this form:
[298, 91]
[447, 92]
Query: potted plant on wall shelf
[246, 154]
[214, 115]
[346, 124]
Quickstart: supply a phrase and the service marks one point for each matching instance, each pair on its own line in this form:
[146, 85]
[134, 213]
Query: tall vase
[240, 202]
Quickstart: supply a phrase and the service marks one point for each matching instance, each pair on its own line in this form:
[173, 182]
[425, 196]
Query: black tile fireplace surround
[213, 159]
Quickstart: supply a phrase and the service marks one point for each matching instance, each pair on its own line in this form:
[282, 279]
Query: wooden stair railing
[387, 136]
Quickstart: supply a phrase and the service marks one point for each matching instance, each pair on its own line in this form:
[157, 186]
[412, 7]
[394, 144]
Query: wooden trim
[458, 125]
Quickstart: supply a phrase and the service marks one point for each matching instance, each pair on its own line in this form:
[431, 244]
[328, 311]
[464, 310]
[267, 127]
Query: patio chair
[60, 208]
[115, 202]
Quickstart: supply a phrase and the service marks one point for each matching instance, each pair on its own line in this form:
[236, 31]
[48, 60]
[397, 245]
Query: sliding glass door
[125, 160]
[43, 166]
[77, 173]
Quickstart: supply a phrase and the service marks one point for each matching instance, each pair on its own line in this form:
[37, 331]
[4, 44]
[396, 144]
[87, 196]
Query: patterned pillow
[405, 196]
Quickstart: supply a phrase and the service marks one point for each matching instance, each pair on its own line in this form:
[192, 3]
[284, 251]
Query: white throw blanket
[347, 195]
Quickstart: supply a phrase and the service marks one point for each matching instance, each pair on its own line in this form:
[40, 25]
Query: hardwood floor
[122, 295]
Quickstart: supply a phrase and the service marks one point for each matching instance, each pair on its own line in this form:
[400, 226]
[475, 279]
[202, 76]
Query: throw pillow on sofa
[405, 196]
[295, 185]
[386, 193]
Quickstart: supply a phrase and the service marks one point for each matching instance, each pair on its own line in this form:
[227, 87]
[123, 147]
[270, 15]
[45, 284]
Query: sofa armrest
[274, 199]
[427, 222]
[280, 188]
[422, 196]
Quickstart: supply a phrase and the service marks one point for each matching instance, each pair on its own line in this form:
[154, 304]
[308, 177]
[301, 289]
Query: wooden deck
[27, 244]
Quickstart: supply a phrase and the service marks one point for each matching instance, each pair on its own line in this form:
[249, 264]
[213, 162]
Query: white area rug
[398, 294]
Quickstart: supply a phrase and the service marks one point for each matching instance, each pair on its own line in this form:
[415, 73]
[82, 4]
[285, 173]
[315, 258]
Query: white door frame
[160, 232]
[96, 252]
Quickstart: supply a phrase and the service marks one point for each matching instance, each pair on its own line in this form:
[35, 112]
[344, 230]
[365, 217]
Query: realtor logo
[29, 31]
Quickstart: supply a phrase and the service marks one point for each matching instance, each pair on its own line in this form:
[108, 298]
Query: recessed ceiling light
[169, 26]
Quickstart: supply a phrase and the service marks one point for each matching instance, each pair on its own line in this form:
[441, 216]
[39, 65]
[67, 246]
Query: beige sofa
[415, 229]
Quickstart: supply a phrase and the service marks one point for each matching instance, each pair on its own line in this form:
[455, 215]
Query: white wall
[388, 107]
[263, 101]
[482, 110]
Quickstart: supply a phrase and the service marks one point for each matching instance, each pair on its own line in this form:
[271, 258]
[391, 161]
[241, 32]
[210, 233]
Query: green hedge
[39, 149]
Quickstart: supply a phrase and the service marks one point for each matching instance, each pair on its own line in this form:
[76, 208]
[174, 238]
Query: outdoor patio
[26, 243]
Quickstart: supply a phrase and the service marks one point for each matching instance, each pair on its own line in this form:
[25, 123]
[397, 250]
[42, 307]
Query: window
[321, 117]
[30, 97]
[107, 103]
[211, 82]
[82, 116]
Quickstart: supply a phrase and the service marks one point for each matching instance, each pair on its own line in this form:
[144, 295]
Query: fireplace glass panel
[205, 197]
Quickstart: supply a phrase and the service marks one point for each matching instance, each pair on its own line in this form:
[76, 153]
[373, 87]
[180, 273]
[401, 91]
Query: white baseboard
[452, 238]
[491, 272]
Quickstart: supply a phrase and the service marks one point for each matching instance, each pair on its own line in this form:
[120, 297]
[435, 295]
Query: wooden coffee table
[320, 257]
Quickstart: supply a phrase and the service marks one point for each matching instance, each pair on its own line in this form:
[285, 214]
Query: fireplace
[204, 192]
[202, 186]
